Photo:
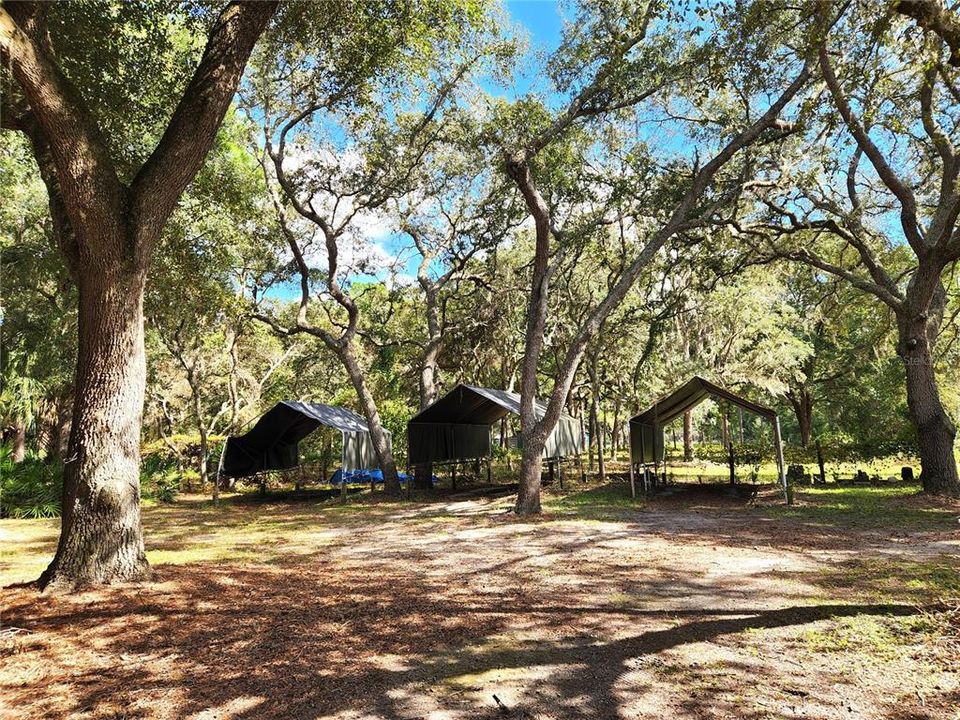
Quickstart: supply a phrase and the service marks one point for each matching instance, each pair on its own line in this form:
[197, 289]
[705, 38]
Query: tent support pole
[223, 452]
[778, 445]
[489, 469]
[343, 467]
[633, 482]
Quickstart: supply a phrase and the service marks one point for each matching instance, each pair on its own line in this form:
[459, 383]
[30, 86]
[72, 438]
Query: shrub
[159, 478]
[30, 489]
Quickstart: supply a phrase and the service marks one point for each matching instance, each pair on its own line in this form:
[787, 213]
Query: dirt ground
[685, 607]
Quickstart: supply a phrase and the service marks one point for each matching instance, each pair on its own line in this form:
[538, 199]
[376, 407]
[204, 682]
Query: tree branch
[193, 127]
[908, 203]
[932, 15]
[92, 192]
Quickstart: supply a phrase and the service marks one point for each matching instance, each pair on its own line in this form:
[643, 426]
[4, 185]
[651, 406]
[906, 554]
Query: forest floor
[692, 605]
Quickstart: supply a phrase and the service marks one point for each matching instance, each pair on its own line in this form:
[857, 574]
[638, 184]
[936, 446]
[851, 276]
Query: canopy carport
[457, 427]
[646, 429]
[273, 442]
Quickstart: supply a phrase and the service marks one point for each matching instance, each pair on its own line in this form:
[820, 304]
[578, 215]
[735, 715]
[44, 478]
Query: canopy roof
[273, 442]
[329, 415]
[457, 426]
[689, 395]
[646, 429]
[474, 405]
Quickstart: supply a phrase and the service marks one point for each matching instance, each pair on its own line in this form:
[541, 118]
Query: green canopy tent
[457, 427]
[273, 442]
[646, 429]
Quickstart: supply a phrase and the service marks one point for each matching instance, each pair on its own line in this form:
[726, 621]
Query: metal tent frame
[646, 428]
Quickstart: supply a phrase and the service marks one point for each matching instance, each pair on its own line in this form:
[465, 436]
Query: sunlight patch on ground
[232, 708]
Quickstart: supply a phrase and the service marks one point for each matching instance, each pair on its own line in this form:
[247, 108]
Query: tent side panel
[565, 440]
[444, 442]
[646, 443]
[358, 452]
[242, 460]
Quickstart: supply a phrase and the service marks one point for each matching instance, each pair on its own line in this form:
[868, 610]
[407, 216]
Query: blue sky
[543, 21]
[541, 18]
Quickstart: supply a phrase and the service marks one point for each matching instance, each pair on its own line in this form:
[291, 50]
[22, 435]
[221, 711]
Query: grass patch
[884, 638]
[882, 580]
[597, 502]
[897, 507]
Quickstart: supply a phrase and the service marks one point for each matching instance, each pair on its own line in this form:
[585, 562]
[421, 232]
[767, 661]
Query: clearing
[693, 605]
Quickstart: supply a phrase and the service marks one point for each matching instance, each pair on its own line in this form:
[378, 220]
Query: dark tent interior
[273, 442]
[457, 427]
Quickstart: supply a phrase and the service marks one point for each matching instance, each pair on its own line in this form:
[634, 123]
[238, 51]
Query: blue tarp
[365, 476]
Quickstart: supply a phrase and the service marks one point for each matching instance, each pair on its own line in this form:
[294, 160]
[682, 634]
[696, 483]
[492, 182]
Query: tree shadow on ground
[341, 613]
[309, 642]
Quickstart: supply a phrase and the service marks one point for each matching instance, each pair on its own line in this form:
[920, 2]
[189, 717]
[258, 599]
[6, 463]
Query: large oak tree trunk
[107, 232]
[935, 431]
[101, 539]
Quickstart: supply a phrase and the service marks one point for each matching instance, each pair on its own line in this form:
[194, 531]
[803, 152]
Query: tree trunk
[615, 437]
[802, 401]
[196, 390]
[594, 431]
[601, 432]
[429, 389]
[733, 463]
[101, 539]
[61, 420]
[935, 431]
[688, 436]
[430, 373]
[19, 443]
[531, 468]
[381, 444]
[204, 470]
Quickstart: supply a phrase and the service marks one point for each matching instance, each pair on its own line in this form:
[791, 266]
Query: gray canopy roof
[470, 404]
[457, 426]
[332, 416]
[689, 395]
[273, 442]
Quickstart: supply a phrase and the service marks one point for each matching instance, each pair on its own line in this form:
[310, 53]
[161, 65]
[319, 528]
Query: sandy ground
[460, 610]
